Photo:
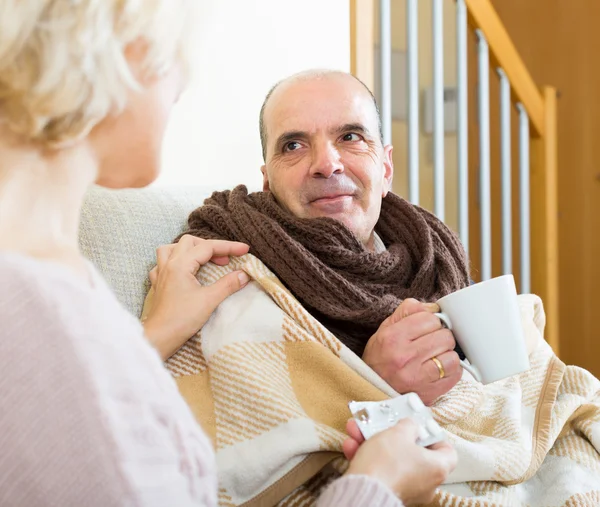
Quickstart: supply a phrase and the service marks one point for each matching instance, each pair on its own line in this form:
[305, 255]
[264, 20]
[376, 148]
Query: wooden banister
[362, 39]
[503, 53]
[544, 218]
[540, 105]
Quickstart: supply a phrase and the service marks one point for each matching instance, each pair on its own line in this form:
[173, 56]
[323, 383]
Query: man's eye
[351, 137]
[293, 146]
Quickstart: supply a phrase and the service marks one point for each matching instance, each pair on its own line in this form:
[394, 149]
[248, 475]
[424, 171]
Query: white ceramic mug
[486, 322]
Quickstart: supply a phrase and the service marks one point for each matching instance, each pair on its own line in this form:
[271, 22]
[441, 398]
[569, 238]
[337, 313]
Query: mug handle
[447, 323]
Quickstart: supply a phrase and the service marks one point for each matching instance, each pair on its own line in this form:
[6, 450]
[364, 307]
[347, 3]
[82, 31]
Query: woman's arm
[88, 414]
[359, 491]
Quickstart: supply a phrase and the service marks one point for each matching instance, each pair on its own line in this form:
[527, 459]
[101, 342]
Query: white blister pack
[375, 416]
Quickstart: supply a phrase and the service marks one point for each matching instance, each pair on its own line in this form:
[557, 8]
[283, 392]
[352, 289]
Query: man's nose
[326, 161]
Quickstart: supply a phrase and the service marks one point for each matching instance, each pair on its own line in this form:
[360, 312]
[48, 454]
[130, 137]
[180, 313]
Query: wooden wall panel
[559, 43]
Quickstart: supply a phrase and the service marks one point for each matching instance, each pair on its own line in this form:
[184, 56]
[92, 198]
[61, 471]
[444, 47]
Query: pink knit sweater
[88, 414]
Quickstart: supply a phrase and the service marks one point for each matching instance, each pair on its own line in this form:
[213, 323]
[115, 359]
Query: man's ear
[388, 170]
[263, 170]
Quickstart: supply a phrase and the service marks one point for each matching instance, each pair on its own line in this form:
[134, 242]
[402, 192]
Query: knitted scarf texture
[348, 288]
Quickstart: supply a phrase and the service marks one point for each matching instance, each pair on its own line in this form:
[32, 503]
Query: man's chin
[343, 217]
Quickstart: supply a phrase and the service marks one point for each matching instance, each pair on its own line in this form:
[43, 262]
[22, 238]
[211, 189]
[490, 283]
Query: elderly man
[325, 159]
[273, 387]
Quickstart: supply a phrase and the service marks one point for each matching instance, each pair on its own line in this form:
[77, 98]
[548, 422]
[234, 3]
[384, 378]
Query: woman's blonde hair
[62, 62]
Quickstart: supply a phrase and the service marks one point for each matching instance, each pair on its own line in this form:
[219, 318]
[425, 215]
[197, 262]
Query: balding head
[307, 75]
[323, 152]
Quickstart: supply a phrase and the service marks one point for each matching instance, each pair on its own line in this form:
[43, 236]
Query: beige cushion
[120, 231]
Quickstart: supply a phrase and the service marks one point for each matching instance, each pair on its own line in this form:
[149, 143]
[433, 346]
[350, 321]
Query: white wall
[245, 47]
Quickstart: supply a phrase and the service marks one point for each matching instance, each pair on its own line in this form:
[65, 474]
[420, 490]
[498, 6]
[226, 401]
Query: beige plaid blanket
[270, 385]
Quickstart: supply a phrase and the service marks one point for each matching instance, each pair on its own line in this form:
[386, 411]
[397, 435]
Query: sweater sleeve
[88, 416]
[54, 449]
[358, 491]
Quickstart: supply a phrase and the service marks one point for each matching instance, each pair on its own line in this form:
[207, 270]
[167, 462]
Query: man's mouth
[333, 198]
[332, 204]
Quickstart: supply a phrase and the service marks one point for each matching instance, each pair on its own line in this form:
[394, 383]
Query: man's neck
[370, 243]
[377, 244]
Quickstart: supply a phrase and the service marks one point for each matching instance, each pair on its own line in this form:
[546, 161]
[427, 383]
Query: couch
[120, 231]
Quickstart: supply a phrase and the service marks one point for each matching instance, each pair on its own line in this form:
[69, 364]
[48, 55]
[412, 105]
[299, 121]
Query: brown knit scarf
[348, 288]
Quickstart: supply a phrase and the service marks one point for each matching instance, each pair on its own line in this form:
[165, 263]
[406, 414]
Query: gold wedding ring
[440, 366]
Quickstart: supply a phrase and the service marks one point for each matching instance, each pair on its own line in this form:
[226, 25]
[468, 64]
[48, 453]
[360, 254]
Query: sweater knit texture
[88, 414]
[348, 288]
[358, 490]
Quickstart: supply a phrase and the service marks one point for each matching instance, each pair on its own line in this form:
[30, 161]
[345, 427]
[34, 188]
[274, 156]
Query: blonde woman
[88, 415]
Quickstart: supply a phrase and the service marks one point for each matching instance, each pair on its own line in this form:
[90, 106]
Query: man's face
[324, 157]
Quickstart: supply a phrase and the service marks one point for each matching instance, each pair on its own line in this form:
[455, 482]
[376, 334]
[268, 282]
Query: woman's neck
[41, 193]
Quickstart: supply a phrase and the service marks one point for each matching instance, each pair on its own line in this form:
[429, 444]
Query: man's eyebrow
[352, 127]
[289, 136]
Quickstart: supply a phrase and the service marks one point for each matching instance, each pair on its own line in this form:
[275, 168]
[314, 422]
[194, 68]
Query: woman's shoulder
[48, 305]
[47, 311]
[54, 313]
[29, 290]
[75, 363]
[43, 293]
[26, 275]
[49, 395]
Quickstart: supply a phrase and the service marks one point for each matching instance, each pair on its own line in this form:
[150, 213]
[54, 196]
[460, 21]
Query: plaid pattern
[270, 386]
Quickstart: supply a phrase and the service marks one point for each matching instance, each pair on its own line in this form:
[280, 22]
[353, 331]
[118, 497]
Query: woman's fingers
[219, 291]
[163, 254]
[221, 247]
[191, 253]
[153, 275]
[444, 456]
[192, 259]
[353, 431]
[349, 448]
[351, 444]
[220, 261]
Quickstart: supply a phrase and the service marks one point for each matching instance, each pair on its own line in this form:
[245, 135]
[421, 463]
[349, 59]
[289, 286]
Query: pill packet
[373, 417]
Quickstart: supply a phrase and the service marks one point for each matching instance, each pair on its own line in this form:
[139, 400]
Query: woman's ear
[136, 53]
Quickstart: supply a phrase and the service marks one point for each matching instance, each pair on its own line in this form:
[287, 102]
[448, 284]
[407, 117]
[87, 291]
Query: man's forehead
[313, 105]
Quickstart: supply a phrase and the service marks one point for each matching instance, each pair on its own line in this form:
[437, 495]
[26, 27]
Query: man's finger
[450, 364]
[225, 287]
[432, 343]
[418, 328]
[440, 388]
[409, 307]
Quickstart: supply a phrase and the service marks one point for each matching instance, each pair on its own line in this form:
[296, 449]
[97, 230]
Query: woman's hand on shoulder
[181, 305]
